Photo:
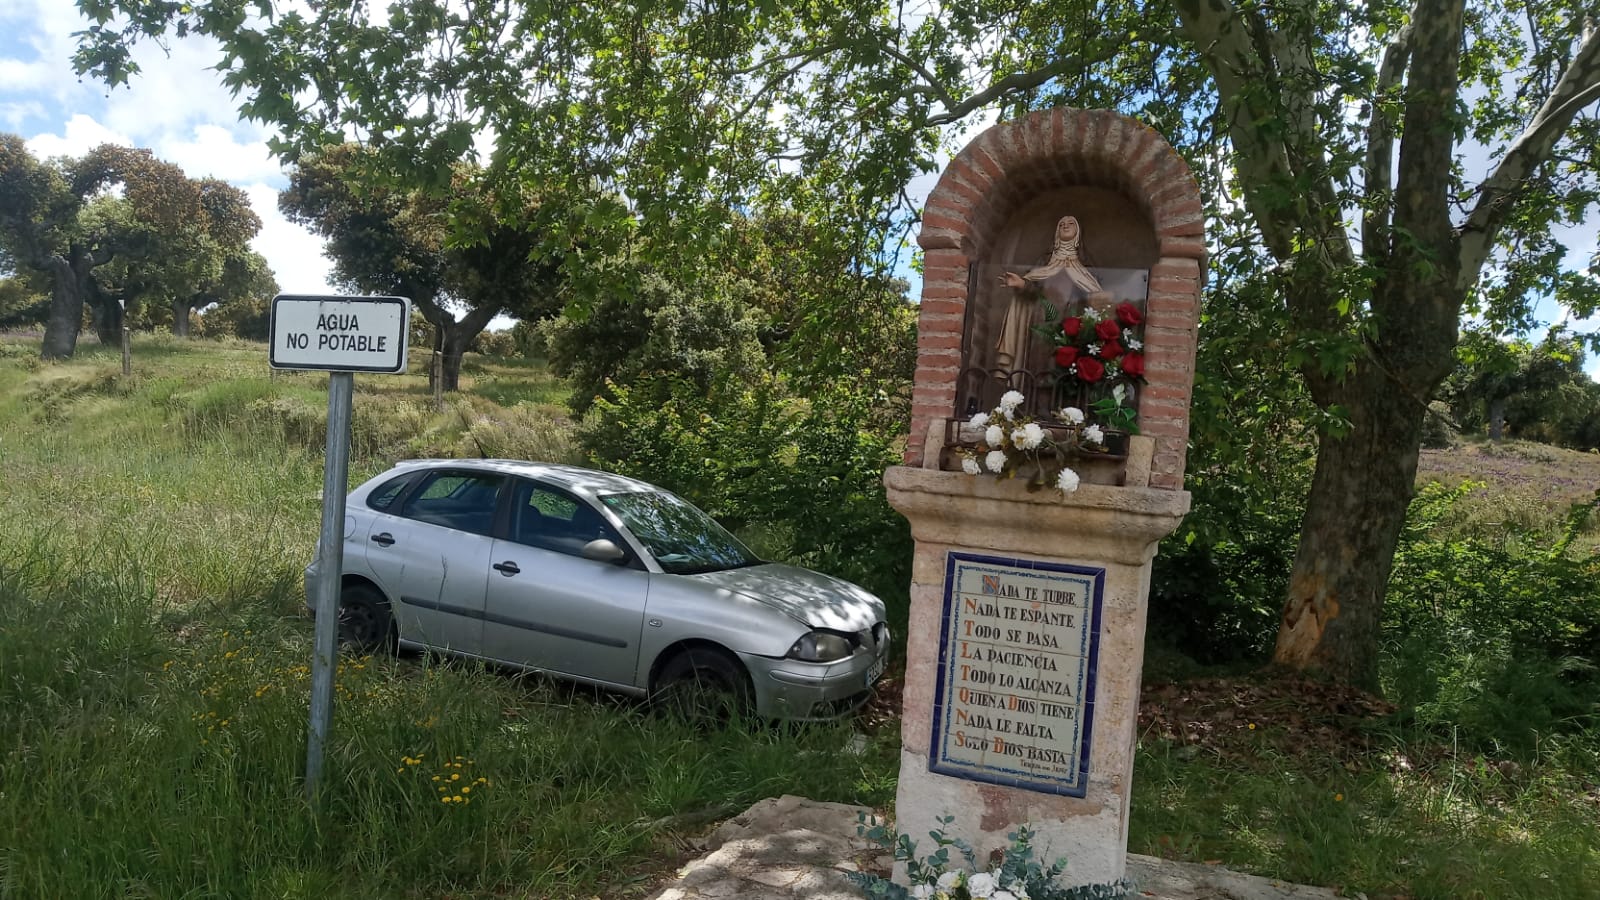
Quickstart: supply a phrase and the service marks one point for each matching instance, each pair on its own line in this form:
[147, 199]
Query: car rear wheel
[704, 685]
[365, 622]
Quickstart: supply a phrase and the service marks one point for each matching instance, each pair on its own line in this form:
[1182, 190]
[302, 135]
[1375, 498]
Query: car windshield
[684, 540]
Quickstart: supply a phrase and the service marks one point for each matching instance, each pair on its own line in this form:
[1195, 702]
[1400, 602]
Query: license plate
[876, 671]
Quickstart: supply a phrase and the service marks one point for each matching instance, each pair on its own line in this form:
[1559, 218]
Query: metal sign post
[339, 335]
[330, 563]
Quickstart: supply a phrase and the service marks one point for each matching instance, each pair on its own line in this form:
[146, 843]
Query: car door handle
[507, 568]
[384, 538]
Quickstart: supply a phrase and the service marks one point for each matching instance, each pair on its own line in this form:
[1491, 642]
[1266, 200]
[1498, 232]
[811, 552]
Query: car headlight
[821, 646]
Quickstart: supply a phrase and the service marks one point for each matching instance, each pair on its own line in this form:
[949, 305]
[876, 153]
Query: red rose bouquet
[1102, 346]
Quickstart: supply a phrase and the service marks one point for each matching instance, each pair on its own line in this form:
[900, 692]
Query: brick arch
[996, 175]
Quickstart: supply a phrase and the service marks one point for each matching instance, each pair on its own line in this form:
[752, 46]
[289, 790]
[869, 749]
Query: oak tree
[444, 254]
[1397, 163]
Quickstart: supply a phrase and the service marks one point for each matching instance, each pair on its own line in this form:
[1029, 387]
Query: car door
[431, 556]
[549, 608]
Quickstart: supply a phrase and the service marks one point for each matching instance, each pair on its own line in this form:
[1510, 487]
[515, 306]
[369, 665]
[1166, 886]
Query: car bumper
[797, 690]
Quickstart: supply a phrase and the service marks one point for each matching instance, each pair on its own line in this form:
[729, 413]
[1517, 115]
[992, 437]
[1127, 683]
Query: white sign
[1017, 654]
[340, 334]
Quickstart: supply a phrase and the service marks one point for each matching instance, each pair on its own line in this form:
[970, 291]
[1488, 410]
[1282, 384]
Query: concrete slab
[791, 848]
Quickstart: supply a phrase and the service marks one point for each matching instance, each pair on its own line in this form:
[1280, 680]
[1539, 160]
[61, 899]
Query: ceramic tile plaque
[1017, 652]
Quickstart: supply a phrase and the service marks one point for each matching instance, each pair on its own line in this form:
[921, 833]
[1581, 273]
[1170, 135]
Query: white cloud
[294, 253]
[213, 152]
[80, 134]
[13, 114]
[23, 75]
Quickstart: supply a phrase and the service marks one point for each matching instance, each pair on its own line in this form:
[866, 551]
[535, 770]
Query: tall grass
[1446, 829]
[154, 683]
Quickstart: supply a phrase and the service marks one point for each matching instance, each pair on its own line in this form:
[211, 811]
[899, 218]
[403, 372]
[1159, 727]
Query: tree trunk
[108, 318]
[66, 311]
[1357, 507]
[451, 340]
[455, 344]
[180, 318]
[1497, 418]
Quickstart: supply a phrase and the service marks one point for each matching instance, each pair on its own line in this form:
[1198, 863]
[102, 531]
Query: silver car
[600, 579]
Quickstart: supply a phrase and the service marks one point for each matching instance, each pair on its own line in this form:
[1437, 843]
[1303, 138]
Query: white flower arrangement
[1007, 440]
[1017, 876]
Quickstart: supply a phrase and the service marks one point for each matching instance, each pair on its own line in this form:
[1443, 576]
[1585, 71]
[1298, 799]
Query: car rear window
[461, 500]
[384, 495]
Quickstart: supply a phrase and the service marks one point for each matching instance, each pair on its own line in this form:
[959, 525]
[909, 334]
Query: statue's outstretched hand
[1013, 280]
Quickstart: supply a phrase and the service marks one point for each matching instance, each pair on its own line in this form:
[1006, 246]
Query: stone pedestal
[1026, 636]
[987, 554]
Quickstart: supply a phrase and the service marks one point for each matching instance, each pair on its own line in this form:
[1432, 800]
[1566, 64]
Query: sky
[177, 107]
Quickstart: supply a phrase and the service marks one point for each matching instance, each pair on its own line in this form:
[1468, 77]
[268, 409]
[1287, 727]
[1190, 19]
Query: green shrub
[1438, 428]
[660, 328]
[495, 343]
[524, 431]
[804, 476]
[1492, 639]
[1218, 583]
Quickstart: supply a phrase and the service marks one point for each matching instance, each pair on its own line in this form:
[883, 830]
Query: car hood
[818, 600]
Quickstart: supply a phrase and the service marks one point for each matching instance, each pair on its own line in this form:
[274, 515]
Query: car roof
[576, 479]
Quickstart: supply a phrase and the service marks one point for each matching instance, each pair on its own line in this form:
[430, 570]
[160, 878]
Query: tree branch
[1224, 42]
[1421, 205]
[955, 111]
[1578, 87]
[1377, 177]
[931, 85]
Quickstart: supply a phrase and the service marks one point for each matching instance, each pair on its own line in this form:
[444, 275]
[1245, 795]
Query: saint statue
[1064, 281]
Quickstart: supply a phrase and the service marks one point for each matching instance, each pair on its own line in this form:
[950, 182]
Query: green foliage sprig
[1018, 875]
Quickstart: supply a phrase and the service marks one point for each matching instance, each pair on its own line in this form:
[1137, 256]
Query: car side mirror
[603, 550]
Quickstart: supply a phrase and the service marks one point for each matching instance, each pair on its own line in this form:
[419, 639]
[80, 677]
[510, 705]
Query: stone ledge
[1113, 524]
[791, 848]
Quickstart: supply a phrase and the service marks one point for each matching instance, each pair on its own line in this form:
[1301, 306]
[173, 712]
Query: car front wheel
[365, 622]
[705, 685]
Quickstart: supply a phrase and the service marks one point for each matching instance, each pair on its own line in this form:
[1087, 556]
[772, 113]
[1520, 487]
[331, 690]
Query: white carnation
[994, 436]
[981, 885]
[981, 419]
[970, 465]
[1028, 437]
[995, 461]
[1073, 414]
[948, 880]
[922, 892]
[1010, 400]
[1067, 481]
[1094, 435]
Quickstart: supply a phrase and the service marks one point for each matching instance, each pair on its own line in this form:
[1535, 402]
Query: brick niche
[1052, 163]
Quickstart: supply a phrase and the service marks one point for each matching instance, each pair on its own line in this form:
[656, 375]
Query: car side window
[464, 501]
[550, 519]
[385, 494]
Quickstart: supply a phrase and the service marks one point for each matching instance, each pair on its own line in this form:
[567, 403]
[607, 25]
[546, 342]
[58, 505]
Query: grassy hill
[154, 651]
[154, 684]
